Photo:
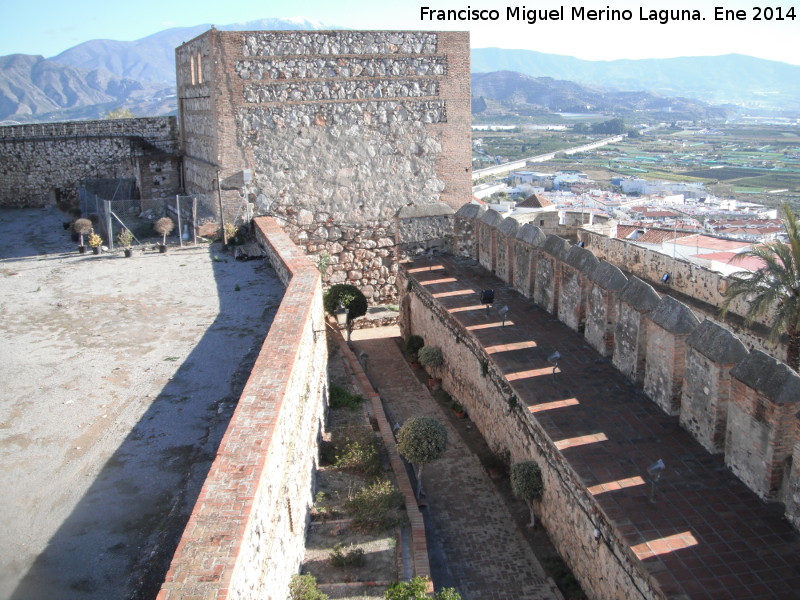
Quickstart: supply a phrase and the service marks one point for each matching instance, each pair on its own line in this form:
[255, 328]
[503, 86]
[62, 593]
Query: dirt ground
[118, 379]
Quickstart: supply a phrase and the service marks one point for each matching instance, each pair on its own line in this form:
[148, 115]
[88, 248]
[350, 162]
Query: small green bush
[372, 507]
[414, 344]
[341, 398]
[358, 451]
[304, 587]
[349, 296]
[351, 557]
[416, 590]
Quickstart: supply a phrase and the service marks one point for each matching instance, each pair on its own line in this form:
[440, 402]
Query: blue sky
[48, 27]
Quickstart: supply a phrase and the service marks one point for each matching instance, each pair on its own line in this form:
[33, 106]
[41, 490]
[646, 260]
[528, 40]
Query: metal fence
[138, 216]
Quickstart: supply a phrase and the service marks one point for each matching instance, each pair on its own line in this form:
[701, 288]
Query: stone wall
[44, 163]
[246, 535]
[608, 571]
[337, 131]
[700, 372]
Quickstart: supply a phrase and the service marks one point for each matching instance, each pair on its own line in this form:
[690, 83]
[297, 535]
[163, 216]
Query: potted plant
[458, 409]
[95, 241]
[164, 227]
[230, 234]
[495, 465]
[125, 239]
[414, 344]
[432, 359]
[82, 227]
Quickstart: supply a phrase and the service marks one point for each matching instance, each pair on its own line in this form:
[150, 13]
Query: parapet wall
[692, 368]
[569, 512]
[705, 287]
[246, 535]
[44, 163]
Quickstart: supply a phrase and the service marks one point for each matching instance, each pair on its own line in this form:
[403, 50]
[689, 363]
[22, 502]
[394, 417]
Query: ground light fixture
[341, 314]
[504, 314]
[654, 473]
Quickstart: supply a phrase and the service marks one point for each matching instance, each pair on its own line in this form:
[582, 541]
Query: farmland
[760, 163]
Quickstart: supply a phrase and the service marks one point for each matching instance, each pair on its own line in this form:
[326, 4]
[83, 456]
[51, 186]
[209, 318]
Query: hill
[33, 88]
[152, 58]
[515, 93]
[727, 79]
[87, 80]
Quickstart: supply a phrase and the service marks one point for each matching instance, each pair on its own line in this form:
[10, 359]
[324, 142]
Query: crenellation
[606, 282]
[669, 325]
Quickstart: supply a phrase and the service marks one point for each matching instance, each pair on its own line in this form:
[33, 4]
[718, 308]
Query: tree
[416, 589]
[527, 485]
[164, 226]
[349, 296]
[82, 227]
[119, 113]
[774, 286]
[421, 440]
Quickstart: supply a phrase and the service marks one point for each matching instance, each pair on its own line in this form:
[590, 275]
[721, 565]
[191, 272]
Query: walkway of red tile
[485, 554]
[706, 536]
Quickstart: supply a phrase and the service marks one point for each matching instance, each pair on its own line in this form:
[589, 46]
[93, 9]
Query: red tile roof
[706, 241]
[535, 201]
[750, 263]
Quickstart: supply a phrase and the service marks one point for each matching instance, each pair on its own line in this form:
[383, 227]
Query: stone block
[605, 283]
[668, 326]
[528, 238]
[548, 272]
[711, 352]
[636, 300]
[574, 287]
[759, 439]
[792, 500]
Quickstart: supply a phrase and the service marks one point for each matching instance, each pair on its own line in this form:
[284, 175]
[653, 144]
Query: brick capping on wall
[245, 537]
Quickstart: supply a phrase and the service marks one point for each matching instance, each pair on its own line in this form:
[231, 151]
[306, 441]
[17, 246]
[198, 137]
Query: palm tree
[777, 285]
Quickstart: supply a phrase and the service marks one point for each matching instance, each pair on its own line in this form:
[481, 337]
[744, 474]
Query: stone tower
[333, 132]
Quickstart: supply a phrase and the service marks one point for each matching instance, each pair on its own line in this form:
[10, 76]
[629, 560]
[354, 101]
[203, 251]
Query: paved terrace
[706, 536]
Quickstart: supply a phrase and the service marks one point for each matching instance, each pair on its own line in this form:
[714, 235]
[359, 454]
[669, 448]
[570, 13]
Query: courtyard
[119, 378]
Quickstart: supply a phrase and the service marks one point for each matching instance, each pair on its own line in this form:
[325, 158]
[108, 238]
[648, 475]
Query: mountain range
[89, 79]
[728, 79]
[510, 92]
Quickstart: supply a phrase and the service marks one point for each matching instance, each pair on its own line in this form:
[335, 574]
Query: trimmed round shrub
[431, 357]
[348, 296]
[526, 481]
[164, 227]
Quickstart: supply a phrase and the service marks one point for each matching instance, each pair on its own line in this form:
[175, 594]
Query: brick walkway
[486, 556]
[706, 537]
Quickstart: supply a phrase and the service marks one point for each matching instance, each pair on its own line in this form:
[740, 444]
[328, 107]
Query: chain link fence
[110, 217]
